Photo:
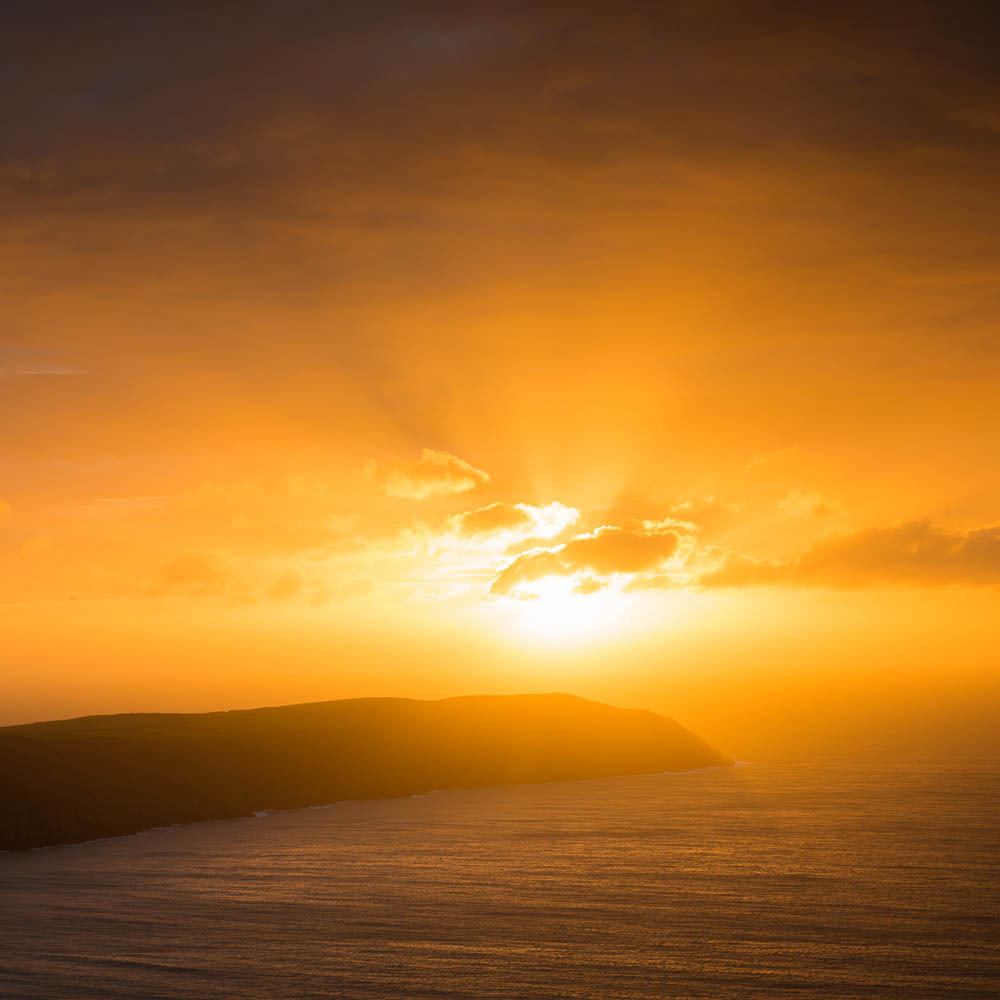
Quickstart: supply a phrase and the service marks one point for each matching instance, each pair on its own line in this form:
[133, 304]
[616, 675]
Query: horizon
[900, 734]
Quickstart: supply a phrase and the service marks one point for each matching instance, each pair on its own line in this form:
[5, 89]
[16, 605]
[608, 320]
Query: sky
[644, 351]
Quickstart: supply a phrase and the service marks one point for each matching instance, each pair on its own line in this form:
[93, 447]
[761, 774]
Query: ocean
[832, 878]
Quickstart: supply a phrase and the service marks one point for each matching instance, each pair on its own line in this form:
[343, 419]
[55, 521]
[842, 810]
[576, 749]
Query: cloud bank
[916, 553]
[667, 555]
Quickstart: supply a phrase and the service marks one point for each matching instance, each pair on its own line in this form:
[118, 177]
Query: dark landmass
[107, 775]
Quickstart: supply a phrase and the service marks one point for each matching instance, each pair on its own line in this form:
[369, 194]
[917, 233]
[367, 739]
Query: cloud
[707, 513]
[36, 371]
[734, 569]
[523, 519]
[916, 553]
[195, 573]
[603, 553]
[495, 517]
[435, 473]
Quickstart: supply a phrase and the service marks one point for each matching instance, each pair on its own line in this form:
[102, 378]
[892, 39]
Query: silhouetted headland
[107, 775]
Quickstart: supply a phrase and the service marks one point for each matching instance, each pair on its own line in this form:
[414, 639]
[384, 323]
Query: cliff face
[64, 782]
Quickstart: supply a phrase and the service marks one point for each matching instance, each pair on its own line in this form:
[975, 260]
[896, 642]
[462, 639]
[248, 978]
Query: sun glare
[557, 612]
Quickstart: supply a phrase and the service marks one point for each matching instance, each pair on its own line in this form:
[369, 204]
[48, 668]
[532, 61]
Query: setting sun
[557, 611]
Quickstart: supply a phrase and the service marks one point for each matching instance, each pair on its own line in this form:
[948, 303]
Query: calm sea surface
[812, 880]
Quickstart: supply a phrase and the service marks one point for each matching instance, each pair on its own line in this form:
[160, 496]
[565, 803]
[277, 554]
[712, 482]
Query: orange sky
[647, 353]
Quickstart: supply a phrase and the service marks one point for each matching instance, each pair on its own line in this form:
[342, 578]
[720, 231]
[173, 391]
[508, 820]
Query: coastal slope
[99, 776]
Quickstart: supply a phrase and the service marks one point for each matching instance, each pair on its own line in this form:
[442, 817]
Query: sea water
[814, 879]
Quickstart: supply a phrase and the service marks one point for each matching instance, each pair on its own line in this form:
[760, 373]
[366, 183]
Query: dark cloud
[337, 107]
[190, 72]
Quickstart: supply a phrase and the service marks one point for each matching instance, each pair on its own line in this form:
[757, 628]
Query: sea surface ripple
[824, 879]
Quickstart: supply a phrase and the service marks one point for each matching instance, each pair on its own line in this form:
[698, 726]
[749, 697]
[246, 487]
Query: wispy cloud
[434, 473]
[40, 371]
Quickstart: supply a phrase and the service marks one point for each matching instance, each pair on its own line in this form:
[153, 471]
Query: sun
[555, 611]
